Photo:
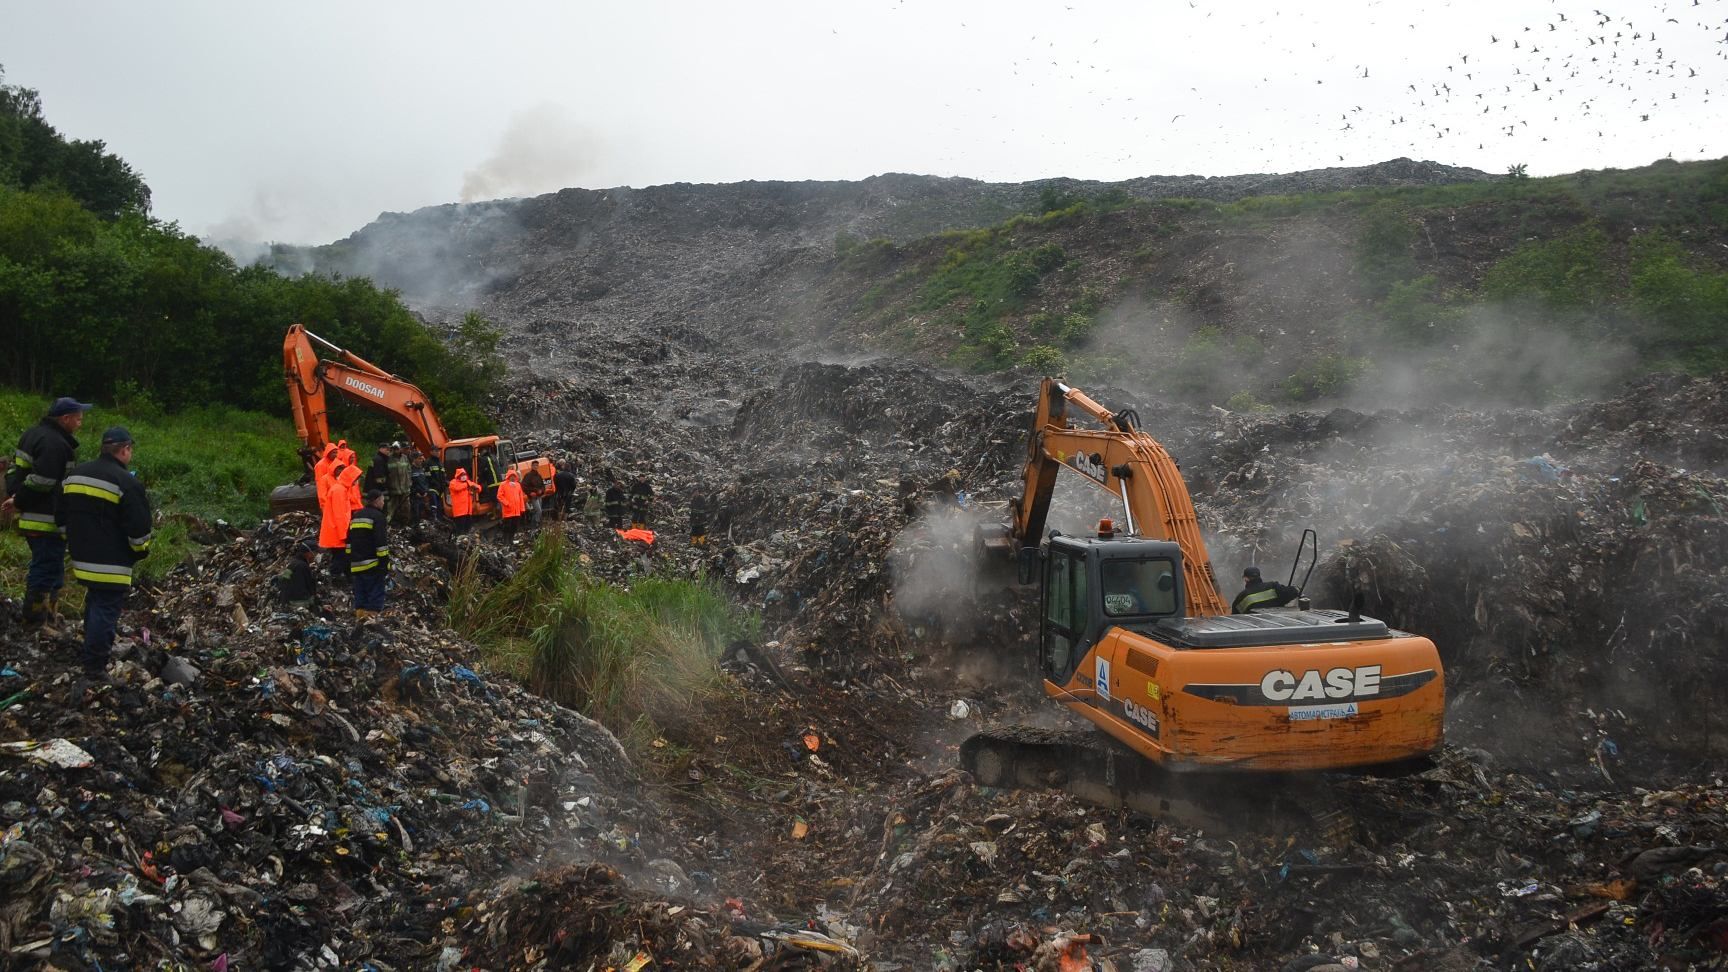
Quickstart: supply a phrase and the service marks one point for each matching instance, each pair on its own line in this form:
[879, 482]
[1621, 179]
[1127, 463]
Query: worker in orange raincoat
[344, 455]
[512, 503]
[323, 468]
[333, 524]
[461, 491]
[350, 480]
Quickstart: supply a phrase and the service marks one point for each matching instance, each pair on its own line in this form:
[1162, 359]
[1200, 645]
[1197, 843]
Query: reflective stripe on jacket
[368, 541]
[44, 452]
[106, 515]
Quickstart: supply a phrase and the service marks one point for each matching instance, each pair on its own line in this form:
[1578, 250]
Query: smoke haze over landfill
[300, 124]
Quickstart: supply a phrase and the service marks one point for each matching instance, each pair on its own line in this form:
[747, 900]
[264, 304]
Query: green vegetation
[1687, 306]
[204, 463]
[98, 300]
[631, 658]
[1516, 289]
[34, 156]
[1570, 271]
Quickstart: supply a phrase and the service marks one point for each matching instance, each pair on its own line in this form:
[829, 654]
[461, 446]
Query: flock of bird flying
[1577, 71]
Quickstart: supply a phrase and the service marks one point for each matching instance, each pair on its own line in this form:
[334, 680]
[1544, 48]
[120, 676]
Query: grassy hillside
[1520, 289]
[208, 464]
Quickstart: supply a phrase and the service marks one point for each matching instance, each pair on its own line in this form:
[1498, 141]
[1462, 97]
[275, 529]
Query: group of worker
[354, 524]
[97, 512]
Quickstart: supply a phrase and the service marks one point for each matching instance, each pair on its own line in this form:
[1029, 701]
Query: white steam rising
[542, 149]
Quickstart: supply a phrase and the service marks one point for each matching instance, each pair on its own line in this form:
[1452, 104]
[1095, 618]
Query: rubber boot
[35, 607]
[52, 622]
[362, 614]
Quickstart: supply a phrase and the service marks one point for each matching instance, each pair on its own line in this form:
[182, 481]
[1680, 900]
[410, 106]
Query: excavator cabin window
[458, 457]
[1139, 587]
[1065, 613]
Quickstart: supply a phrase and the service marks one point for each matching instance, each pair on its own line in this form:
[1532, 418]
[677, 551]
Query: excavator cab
[1092, 584]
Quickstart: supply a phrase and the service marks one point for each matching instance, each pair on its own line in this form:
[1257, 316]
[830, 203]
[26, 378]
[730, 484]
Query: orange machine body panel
[1309, 706]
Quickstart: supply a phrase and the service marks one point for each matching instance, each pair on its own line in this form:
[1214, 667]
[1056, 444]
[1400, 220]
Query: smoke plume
[542, 149]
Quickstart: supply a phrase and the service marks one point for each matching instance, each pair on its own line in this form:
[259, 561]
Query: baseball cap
[66, 406]
[116, 435]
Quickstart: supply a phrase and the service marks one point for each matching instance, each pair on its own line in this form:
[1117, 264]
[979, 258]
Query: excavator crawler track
[1095, 768]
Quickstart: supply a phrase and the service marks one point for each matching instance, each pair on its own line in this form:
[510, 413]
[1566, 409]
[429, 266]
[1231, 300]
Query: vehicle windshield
[1139, 587]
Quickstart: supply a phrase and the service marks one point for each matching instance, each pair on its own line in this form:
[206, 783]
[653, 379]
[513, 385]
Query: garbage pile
[261, 788]
[1464, 867]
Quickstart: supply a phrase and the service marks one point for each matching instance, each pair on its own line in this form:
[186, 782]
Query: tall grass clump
[630, 657]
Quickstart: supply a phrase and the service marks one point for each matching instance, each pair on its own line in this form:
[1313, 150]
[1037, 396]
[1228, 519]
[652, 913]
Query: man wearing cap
[45, 451]
[1257, 593]
[106, 515]
[369, 555]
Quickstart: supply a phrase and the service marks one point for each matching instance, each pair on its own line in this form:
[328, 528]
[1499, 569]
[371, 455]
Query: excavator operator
[1140, 586]
[1257, 593]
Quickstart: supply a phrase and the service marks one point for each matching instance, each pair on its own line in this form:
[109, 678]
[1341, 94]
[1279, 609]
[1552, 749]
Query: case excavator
[1199, 707]
[309, 378]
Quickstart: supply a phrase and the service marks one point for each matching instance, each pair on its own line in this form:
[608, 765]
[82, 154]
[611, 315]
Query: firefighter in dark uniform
[106, 515]
[641, 498]
[617, 506]
[45, 451]
[1257, 593]
[369, 555]
[699, 519]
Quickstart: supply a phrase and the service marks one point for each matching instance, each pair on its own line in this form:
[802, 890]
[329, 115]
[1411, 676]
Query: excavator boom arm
[360, 381]
[1124, 462]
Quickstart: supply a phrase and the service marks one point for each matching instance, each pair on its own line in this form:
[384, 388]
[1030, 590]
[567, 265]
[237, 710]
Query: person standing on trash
[462, 491]
[641, 498]
[350, 480]
[534, 489]
[512, 502]
[593, 509]
[298, 584]
[369, 555]
[324, 468]
[333, 520]
[699, 519]
[45, 451]
[437, 487]
[399, 487]
[1257, 593]
[563, 493]
[617, 505]
[378, 474]
[106, 515]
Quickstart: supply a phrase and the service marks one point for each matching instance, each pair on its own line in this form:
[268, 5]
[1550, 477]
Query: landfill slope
[1566, 561]
[261, 789]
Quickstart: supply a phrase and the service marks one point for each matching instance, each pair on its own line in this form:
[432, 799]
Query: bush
[1044, 359]
[1570, 271]
[1384, 244]
[1687, 309]
[1410, 314]
[629, 657]
[1325, 377]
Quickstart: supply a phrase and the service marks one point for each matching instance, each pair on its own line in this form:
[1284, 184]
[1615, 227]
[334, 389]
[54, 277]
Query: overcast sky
[301, 122]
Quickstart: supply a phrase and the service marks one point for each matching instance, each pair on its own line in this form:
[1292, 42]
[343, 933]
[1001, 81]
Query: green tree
[33, 155]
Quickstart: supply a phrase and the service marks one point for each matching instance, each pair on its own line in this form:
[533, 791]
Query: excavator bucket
[294, 498]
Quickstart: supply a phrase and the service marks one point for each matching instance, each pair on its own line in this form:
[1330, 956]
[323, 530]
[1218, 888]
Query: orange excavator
[1135, 638]
[487, 457]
